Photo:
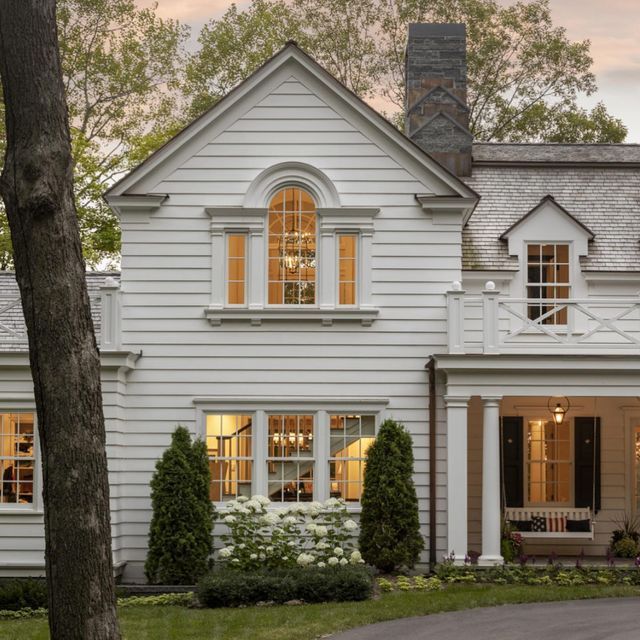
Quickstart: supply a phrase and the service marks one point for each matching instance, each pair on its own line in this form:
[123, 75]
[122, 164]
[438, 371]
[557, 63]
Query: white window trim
[36, 507]
[252, 219]
[260, 407]
[252, 222]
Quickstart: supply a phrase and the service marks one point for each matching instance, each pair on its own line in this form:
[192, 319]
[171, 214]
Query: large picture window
[350, 438]
[548, 282]
[549, 462]
[17, 459]
[292, 248]
[229, 445]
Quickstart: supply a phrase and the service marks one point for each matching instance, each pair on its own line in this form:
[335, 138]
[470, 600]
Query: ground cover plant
[315, 620]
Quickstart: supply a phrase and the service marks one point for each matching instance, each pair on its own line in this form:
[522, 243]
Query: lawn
[306, 622]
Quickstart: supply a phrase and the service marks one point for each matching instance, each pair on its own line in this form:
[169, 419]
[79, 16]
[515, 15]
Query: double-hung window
[548, 282]
[17, 460]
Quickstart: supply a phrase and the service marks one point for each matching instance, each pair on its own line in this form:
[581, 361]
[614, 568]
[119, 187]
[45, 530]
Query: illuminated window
[347, 267]
[636, 452]
[548, 282]
[290, 458]
[350, 438]
[17, 458]
[236, 268]
[230, 456]
[548, 462]
[292, 248]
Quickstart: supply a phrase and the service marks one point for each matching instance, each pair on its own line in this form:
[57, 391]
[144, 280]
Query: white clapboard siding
[166, 287]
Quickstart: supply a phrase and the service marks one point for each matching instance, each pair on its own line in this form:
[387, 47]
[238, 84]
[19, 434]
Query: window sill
[326, 317]
[13, 511]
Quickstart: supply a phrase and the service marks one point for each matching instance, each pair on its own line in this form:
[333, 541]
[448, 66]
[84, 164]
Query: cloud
[191, 10]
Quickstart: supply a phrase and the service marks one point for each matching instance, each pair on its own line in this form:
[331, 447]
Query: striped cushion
[557, 524]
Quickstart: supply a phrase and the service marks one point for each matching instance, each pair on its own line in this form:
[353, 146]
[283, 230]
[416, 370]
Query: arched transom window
[292, 257]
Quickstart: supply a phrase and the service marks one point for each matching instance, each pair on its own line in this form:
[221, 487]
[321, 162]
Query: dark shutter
[512, 461]
[587, 433]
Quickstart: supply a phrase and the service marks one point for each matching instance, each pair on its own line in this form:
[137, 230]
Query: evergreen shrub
[234, 588]
[389, 526]
[180, 536]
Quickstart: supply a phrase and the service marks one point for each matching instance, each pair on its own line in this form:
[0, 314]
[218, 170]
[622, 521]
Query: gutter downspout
[431, 369]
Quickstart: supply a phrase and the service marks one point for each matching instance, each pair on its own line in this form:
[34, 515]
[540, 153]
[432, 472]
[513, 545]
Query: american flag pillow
[557, 524]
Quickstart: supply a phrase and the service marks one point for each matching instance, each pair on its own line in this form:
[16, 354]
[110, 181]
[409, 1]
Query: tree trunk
[37, 188]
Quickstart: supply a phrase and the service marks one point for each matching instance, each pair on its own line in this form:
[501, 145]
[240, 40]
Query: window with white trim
[229, 440]
[290, 464]
[289, 456]
[548, 281]
[17, 460]
[292, 256]
[236, 269]
[350, 438]
[347, 269]
[549, 462]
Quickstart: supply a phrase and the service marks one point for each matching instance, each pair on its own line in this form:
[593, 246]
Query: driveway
[613, 619]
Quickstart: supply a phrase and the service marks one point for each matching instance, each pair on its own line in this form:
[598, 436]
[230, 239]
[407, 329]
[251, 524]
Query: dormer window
[292, 248]
[548, 282]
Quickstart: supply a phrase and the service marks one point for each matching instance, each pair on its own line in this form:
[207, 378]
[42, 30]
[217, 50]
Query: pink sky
[613, 26]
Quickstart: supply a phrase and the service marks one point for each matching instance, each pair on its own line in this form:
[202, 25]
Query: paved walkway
[610, 619]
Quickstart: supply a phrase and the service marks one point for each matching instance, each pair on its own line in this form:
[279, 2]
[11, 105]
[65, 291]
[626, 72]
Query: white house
[295, 270]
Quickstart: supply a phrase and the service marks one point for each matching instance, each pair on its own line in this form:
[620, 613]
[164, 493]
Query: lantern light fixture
[559, 411]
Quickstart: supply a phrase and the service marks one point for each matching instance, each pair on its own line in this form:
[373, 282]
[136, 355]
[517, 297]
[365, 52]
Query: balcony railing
[492, 323]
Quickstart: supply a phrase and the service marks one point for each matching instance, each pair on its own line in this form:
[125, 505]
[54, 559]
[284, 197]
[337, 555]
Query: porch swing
[561, 522]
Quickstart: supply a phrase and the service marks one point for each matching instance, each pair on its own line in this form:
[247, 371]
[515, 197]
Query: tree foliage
[389, 526]
[180, 542]
[121, 68]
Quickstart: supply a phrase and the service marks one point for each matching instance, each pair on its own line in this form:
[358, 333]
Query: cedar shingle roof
[597, 184]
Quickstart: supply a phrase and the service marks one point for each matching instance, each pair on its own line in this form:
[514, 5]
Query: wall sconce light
[562, 406]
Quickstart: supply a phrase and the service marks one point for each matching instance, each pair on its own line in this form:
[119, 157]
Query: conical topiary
[389, 525]
[180, 542]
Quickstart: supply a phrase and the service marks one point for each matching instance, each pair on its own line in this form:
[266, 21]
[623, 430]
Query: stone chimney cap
[426, 29]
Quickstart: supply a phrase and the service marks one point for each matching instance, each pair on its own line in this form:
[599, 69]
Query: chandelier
[298, 249]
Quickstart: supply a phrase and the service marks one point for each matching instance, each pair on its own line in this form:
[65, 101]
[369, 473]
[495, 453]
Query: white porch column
[491, 552]
[457, 477]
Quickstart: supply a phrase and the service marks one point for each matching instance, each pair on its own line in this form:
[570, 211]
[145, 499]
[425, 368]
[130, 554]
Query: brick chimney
[437, 116]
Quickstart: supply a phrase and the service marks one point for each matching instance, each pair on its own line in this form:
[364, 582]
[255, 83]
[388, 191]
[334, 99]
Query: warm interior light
[558, 414]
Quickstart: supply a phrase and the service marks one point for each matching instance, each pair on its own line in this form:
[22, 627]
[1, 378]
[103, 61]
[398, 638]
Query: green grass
[312, 621]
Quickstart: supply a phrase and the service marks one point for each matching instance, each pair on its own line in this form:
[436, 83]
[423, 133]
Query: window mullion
[260, 454]
[321, 454]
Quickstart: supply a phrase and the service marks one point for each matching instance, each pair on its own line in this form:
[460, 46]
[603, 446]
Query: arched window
[292, 258]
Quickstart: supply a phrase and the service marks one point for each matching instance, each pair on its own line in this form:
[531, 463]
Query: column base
[490, 561]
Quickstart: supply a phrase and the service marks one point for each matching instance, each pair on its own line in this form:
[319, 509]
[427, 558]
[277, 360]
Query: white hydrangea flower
[322, 546]
[226, 552]
[235, 561]
[253, 504]
[343, 561]
[338, 552]
[322, 565]
[242, 546]
[312, 526]
[242, 499]
[270, 518]
[253, 556]
[333, 561]
[350, 525]
[263, 500]
[289, 520]
[321, 531]
[230, 519]
[305, 559]
[315, 505]
[356, 557]
[331, 502]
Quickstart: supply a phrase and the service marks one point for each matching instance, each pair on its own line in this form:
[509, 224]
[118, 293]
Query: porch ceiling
[527, 375]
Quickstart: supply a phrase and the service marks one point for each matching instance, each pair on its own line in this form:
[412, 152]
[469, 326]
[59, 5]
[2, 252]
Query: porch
[564, 480]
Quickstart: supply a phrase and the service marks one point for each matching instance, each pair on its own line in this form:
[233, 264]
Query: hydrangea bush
[301, 534]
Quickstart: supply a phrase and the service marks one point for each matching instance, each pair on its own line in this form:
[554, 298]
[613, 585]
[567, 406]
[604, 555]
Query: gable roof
[548, 199]
[290, 53]
[598, 184]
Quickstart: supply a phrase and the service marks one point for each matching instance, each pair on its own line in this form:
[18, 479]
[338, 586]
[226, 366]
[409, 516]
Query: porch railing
[492, 323]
